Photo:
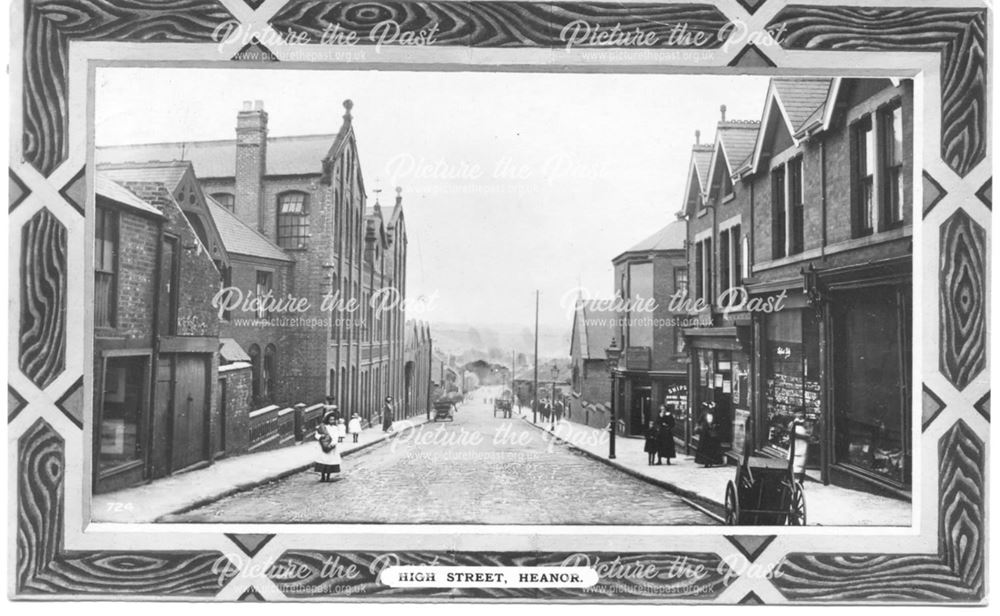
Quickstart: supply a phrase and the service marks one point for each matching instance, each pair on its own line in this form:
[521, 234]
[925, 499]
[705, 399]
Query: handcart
[766, 491]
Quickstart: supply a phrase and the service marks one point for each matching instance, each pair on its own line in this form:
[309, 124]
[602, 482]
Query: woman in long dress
[327, 462]
[387, 415]
[665, 436]
[709, 451]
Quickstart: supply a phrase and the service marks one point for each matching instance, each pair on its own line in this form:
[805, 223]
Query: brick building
[824, 203]
[595, 324]
[418, 380]
[720, 345]
[285, 217]
[155, 338]
[652, 369]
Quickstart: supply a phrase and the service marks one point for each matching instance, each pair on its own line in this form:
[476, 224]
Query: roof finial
[399, 195]
[722, 108]
[697, 137]
[348, 105]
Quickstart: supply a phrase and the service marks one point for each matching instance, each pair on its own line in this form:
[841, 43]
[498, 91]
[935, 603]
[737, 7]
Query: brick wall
[238, 406]
[138, 237]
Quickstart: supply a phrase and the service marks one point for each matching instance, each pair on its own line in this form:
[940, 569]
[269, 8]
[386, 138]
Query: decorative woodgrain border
[954, 573]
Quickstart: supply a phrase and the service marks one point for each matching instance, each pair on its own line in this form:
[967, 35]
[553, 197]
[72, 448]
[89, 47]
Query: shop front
[719, 377]
[836, 359]
[640, 395]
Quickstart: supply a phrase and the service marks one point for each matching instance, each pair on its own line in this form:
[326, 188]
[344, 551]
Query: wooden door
[191, 408]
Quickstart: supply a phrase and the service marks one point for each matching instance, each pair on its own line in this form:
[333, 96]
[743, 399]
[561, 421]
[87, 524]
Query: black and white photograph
[499, 301]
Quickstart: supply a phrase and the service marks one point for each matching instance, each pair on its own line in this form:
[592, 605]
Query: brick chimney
[251, 160]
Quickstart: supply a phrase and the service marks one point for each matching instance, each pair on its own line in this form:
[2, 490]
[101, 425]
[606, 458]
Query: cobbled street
[478, 469]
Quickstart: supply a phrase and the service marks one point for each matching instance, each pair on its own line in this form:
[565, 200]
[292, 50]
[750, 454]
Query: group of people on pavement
[331, 433]
[660, 437]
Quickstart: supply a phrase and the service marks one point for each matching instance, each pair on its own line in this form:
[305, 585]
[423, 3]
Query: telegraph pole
[534, 396]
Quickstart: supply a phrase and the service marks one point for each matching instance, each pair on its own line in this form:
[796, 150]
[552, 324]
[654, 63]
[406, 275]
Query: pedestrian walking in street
[327, 462]
[387, 415]
[665, 436]
[651, 446]
[354, 427]
[709, 452]
[341, 430]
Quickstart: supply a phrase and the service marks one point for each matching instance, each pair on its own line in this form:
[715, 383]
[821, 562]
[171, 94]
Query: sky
[511, 182]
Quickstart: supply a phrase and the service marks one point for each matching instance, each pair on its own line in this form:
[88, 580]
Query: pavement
[826, 505]
[188, 490]
[478, 469]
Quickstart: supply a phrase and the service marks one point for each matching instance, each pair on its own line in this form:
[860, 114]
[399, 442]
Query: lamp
[613, 354]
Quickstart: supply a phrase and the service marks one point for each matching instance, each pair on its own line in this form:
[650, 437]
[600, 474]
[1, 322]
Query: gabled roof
[801, 99]
[594, 327]
[697, 177]
[293, 155]
[239, 239]
[800, 103]
[109, 189]
[671, 237]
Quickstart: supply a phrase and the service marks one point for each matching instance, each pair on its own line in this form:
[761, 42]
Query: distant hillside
[498, 340]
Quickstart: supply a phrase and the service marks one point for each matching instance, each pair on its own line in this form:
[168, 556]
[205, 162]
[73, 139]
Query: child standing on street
[650, 446]
[328, 459]
[354, 426]
[341, 430]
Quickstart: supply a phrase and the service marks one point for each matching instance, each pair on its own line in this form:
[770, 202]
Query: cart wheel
[797, 507]
[732, 505]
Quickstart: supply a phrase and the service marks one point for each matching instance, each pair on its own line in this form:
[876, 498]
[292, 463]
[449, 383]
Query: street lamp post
[613, 354]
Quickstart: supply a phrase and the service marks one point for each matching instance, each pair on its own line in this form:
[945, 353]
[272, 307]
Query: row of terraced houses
[182, 380]
[812, 204]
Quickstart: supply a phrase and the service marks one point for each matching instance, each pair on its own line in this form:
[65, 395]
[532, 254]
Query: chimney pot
[697, 137]
[723, 110]
[258, 105]
[247, 106]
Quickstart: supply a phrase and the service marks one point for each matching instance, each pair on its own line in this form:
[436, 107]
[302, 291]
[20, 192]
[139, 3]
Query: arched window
[293, 220]
[254, 352]
[226, 200]
[270, 372]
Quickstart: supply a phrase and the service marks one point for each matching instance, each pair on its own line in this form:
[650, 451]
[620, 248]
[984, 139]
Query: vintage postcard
[647, 302]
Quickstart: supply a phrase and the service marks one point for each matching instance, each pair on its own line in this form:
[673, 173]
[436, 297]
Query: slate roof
[671, 237]
[109, 189]
[802, 98]
[231, 351]
[702, 155]
[738, 139]
[594, 327]
[239, 239]
[168, 173]
[292, 155]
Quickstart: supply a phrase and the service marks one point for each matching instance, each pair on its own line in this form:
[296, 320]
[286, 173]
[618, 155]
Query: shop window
[892, 169]
[862, 178]
[293, 220]
[105, 267]
[791, 388]
[123, 400]
[871, 376]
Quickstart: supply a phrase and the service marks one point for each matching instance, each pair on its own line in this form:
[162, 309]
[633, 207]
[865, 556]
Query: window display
[121, 413]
